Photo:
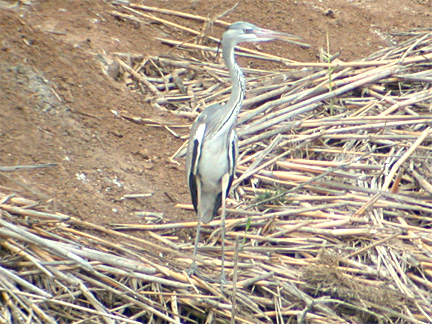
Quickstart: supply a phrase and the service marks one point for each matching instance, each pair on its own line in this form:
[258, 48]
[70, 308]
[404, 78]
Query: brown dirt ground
[57, 106]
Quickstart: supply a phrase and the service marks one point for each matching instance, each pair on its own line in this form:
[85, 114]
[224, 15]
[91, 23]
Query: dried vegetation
[329, 222]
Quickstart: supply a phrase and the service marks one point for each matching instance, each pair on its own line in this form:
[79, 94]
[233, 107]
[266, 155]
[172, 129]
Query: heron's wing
[232, 153]
[232, 158]
[218, 203]
[192, 176]
[193, 155]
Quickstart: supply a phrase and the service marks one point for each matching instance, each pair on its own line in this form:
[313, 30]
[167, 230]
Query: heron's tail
[209, 207]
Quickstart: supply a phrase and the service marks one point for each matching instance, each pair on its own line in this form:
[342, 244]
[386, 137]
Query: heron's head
[241, 31]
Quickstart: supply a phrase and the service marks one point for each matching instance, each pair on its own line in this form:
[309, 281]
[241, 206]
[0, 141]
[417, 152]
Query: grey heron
[212, 150]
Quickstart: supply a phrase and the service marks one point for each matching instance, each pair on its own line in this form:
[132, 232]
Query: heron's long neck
[238, 85]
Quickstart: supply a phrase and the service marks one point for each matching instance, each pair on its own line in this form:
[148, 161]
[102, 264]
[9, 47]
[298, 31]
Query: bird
[212, 150]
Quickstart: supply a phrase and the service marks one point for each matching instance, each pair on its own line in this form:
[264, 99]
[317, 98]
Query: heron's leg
[193, 266]
[225, 181]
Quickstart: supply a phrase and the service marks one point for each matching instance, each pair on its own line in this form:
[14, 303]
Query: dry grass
[330, 220]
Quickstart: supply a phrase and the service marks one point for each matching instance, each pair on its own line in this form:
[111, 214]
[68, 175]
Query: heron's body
[213, 158]
[212, 150]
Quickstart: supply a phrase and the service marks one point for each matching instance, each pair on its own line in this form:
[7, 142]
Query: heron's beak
[271, 34]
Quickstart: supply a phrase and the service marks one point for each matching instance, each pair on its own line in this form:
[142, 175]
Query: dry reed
[329, 222]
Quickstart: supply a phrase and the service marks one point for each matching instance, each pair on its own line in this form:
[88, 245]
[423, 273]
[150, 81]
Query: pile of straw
[329, 221]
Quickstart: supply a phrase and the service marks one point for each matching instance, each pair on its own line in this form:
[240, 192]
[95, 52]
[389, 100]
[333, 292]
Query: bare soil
[58, 106]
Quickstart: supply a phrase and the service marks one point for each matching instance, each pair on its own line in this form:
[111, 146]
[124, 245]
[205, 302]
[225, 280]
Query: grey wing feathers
[193, 155]
[192, 175]
[232, 152]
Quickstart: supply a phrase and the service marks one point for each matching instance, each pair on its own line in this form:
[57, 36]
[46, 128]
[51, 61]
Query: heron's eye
[247, 30]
